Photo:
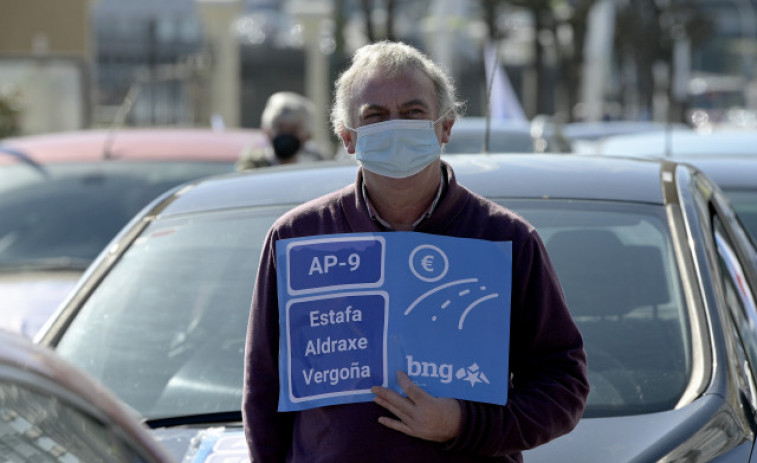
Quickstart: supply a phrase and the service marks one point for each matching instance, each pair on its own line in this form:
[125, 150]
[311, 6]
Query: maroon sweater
[549, 382]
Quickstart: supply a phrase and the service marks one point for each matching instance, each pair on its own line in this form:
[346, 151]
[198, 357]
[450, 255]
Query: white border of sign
[320, 289]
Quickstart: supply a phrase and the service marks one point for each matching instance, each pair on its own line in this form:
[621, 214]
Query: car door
[735, 279]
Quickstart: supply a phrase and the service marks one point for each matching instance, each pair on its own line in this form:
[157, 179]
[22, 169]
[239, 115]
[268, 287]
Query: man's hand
[420, 414]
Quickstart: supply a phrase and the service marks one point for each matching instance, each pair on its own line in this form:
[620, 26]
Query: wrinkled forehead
[377, 88]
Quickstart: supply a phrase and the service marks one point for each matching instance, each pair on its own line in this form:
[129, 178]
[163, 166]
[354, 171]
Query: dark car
[472, 135]
[737, 177]
[51, 411]
[654, 266]
[63, 196]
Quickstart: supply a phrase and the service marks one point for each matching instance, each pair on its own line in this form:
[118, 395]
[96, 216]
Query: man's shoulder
[317, 205]
[489, 219]
[473, 205]
[313, 216]
[490, 208]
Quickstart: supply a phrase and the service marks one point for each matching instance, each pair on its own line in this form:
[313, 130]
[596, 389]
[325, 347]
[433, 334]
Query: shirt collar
[378, 219]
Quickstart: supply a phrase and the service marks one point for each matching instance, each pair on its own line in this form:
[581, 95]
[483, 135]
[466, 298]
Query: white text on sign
[330, 261]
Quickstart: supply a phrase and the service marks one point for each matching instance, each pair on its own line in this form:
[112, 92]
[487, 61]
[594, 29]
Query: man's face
[408, 96]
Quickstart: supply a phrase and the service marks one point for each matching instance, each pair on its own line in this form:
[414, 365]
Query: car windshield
[189, 282]
[62, 215]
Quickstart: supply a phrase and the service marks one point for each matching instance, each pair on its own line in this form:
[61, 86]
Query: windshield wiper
[24, 158]
[203, 418]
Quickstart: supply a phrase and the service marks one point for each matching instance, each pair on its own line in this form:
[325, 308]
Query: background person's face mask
[285, 146]
[397, 148]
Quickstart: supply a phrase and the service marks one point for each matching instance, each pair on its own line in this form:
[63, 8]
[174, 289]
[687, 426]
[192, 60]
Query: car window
[180, 296]
[744, 202]
[63, 215]
[189, 283]
[742, 311]
[622, 286]
[738, 293]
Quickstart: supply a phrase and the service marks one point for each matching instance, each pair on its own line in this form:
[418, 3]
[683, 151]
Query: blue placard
[356, 308]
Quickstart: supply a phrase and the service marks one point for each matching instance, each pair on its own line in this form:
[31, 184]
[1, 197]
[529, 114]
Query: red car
[64, 196]
[53, 411]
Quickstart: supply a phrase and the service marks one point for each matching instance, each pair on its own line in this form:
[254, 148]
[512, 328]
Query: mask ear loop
[443, 115]
[442, 145]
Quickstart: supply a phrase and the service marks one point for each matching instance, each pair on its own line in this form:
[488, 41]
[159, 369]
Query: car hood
[617, 439]
[29, 298]
[646, 437]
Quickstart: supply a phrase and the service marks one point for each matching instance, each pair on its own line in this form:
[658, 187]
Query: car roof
[728, 157]
[495, 175]
[686, 144]
[729, 172]
[155, 144]
[469, 133]
[602, 129]
[477, 124]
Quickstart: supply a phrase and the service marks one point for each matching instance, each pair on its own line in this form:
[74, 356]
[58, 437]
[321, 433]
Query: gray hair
[391, 59]
[287, 107]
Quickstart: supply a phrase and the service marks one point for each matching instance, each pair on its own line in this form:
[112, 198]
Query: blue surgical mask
[397, 148]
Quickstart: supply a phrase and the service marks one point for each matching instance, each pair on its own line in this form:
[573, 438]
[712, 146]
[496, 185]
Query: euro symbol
[427, 263]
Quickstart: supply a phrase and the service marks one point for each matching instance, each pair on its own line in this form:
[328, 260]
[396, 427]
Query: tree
[557, 83]
[369, 15]
[571, 61]
[646, 33]
[10, 115]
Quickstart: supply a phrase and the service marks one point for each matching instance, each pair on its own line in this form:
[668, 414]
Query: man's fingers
[396, 404]
[397, 426]
[413, 392]
[419, 414]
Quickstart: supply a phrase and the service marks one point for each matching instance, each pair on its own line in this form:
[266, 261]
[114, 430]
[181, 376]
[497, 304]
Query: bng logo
[444, 372]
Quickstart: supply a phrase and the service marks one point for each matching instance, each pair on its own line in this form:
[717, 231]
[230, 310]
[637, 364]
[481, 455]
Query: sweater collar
[374, 215]
[445, 208]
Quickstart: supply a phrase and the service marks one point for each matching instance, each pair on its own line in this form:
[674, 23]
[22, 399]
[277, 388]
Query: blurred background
[74, 64]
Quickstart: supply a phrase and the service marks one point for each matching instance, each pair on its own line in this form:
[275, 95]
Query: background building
[80, 63]
[153, 49]
[45, 62]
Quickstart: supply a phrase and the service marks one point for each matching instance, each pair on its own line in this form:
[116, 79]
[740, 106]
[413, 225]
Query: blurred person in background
[287, 121]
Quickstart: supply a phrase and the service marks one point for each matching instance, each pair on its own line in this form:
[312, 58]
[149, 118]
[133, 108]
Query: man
[287, 122]
[393, 96]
